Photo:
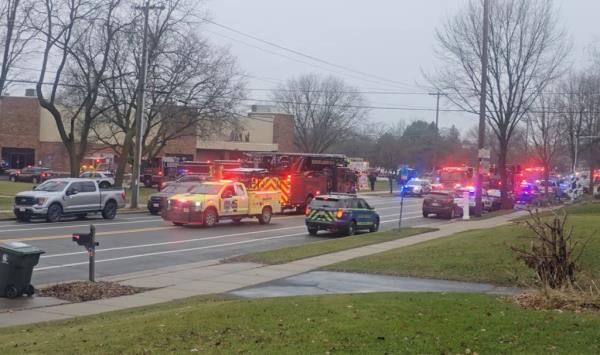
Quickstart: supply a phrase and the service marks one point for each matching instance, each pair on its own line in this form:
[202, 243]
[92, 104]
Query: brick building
[28, 136]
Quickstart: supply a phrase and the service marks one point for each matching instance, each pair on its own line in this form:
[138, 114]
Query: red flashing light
[289, 178]
[160, 173]
[182, 200]
[123, 195]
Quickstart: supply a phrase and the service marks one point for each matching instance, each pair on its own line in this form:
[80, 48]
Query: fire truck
[456, 176]
[165, 169]
[300, 177]
[96, 163]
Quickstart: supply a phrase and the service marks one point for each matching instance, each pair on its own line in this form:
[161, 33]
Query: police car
[343, 213]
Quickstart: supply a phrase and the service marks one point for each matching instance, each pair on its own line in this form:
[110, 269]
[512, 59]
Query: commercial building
[28, 136]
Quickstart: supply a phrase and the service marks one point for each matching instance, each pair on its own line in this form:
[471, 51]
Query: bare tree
[325, 110]
[17, 34]
[546, 134]
[78, 34]
[526, 53]
[193, 87]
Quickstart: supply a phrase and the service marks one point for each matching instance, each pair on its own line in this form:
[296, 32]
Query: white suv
[105, 179]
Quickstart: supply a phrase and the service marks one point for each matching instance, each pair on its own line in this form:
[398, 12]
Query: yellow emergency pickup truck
[210, 202]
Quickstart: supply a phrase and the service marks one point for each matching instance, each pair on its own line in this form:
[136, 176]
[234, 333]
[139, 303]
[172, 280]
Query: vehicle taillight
[289, 178]
[339, 214]
[123, 195]
[160, 173]
[307, 211]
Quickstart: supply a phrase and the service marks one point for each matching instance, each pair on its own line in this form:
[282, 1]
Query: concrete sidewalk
[211, 277]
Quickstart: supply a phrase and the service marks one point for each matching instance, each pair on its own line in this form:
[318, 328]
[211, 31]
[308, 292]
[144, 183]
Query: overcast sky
[393, 39]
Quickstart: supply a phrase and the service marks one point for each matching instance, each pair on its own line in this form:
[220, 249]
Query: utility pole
[139, 112]
[482, 110]
[437, 128]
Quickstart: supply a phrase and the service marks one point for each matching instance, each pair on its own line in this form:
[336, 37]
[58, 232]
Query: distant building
[28, 136]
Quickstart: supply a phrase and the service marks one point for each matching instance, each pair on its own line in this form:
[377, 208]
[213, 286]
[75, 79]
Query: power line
[309, 56]
[298, 60]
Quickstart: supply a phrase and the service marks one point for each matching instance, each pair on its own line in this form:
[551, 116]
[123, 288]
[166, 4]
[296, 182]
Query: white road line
[170, 252]
[174, 242]
[137, 246]
[74, 226]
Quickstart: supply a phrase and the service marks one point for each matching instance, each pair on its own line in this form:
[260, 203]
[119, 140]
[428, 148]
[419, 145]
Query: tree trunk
[506, 203]
[124, 158]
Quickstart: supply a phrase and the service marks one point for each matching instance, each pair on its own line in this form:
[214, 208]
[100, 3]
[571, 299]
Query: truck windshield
[207, 189]
[176, 188]
[52, 186]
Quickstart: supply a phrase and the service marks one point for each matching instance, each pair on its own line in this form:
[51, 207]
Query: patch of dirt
[570, 300]
[83, 291]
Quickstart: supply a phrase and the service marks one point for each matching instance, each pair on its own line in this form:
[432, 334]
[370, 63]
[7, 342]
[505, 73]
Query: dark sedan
[158, 200]
[32, 174]
[442, 203]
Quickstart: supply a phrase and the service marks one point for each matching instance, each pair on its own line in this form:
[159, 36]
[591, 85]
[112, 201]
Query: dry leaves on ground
[83, 291]
[567, 300]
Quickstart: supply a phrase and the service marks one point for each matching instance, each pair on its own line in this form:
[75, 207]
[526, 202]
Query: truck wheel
[30, 290]
[312, 230]
[425, 214]
[54, 213]
[210, 217]
[104, 185]
[351, 229]
[110, 210]
[451, 214]
[148, 182]
[11, 292]
[265, 216]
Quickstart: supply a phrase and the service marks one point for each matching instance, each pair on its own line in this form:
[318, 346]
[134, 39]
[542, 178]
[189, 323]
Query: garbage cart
[16, 266]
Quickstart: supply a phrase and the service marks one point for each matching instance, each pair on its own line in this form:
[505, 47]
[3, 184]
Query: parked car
[3, 166]
[340, 213]
[68, 197]
[158, 201]
[442, 203]
[105, 179]
[33, 174]
[417, 187]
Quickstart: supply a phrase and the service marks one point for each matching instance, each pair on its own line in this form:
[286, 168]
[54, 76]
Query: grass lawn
[285, 255]
[481, 255]
[364, 324]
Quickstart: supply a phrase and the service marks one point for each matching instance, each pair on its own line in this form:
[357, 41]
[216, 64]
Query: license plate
[435, 204]
[156, 205]
[22, 209]
[186, 210]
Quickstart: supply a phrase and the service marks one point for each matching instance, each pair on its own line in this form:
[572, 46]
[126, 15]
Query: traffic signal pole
[482, 105]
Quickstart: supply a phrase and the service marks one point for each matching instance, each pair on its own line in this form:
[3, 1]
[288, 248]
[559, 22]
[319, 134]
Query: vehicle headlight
[197, 206]
[41, 201]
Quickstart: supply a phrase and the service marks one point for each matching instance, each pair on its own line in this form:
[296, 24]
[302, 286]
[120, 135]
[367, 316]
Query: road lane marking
[136, 256]
[114, 233]
[173, 242]
[73, 226]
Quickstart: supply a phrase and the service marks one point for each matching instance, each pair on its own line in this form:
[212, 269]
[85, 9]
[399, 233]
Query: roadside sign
[483, 153]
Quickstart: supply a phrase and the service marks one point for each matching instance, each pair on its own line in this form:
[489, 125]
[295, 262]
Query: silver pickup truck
[68, 197]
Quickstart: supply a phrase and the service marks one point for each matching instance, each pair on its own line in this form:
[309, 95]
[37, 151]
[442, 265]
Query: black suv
[33, 174]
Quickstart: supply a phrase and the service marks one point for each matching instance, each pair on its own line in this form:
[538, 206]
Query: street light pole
[482, 101]
[139, 112]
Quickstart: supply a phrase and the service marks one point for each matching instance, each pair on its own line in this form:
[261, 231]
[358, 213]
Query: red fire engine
[301, 177]
[157, 170]
[456, 176]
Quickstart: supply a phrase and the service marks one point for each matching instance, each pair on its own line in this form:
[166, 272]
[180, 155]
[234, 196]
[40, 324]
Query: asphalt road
[132, 243]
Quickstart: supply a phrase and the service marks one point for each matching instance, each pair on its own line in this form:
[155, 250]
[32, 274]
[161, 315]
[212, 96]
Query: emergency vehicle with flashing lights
[301, 176]
[452, 177]
[210, 202]
[344, 213]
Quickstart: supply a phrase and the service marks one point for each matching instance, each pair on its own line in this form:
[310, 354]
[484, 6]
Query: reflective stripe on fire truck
[275, 184]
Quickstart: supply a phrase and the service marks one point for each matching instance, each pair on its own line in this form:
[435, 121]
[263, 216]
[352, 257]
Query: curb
[9, 216]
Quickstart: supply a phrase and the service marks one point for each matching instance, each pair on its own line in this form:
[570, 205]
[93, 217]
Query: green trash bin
[16, 266]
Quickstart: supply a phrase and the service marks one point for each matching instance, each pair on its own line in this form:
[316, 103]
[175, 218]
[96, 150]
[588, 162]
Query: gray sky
[393, 39]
